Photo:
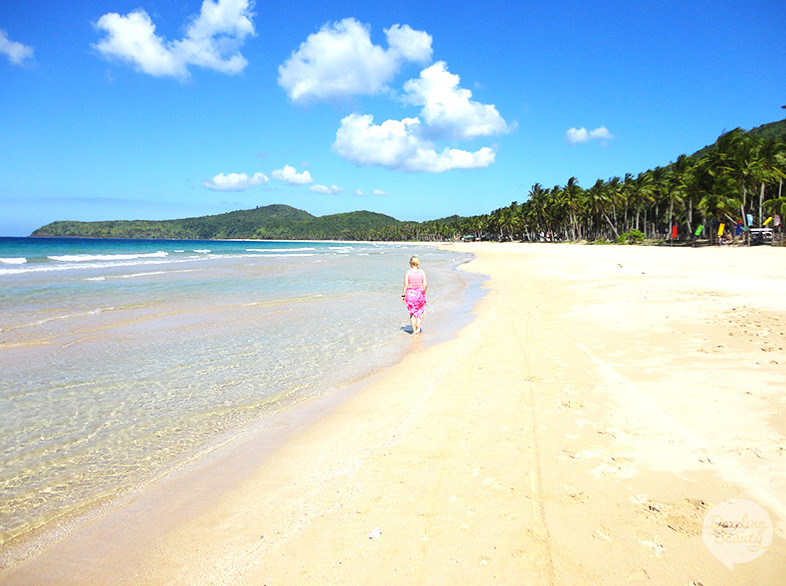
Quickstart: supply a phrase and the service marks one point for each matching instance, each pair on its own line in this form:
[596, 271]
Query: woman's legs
[415, 301]
[415, 321]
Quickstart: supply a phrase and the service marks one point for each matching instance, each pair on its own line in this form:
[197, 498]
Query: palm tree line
[741, 175]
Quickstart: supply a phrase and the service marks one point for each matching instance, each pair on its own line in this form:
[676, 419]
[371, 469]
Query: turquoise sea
[122, 359]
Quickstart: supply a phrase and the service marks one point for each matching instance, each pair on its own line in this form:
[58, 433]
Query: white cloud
[579, 135]
[213, 39]
[235, 181]
[448, 110]
[340, 61]
[601, 133]
[17, 53]
[378, 192]
[398, 145]
[290, 175]
[324, 189]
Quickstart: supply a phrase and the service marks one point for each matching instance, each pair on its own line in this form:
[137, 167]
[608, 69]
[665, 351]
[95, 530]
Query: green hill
[277, 221]
[770, 131]
[775, 130]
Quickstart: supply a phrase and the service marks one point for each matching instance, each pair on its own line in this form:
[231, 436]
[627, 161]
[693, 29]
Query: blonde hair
[414, 262]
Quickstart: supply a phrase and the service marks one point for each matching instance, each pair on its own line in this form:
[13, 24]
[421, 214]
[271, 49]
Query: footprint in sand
[580, 455]
[603, 533]
[616, 466]
[638, 575]
[574, 494]
[685, 516]
[655, 545]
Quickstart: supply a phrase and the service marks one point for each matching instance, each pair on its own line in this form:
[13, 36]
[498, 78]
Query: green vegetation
[740, 171]
[632, 237]
[274, 222]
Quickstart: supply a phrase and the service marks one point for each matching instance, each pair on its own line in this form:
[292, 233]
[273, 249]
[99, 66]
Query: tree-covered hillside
[740, 175]
[772, 131]
[277, 221]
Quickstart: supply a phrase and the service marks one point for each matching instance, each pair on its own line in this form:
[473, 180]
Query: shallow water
[121, 359]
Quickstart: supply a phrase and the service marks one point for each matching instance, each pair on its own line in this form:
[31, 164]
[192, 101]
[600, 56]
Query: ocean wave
[284, 254]
[46, 320]
[105, 257]
[70, 266]
[278, 250]
[13, 261]
[152, 273]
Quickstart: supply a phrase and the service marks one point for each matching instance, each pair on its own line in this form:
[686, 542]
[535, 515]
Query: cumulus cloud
[17, 53]
[579, 135]
[324, 189]
[448, 110]
[235, 181]
[290, 175]
[340, 61]
[213, 40]
[398, 145]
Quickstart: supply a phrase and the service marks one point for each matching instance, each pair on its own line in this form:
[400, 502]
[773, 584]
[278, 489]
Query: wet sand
[577, 432]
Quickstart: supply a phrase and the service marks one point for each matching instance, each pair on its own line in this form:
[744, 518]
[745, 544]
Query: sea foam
[105, 257]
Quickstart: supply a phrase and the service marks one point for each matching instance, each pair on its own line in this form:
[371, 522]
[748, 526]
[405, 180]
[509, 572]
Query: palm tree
[508, 219]
[718, 196]
[502, 220]
[540, 206]
[659, 196]
[616, 195]
[624, 191]
[640, 192]
[555, 211]
[679, 179]
[598, 200]
[773, 158]
[572, 196]
[739, 160]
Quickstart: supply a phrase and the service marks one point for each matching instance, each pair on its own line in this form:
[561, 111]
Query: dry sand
[578, 431]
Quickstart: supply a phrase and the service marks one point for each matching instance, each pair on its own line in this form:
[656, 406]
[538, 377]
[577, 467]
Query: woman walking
[414, 295]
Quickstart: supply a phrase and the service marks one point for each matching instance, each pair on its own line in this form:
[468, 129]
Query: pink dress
[415, 296]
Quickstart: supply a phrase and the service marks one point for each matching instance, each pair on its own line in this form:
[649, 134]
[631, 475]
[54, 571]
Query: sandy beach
[578, 431]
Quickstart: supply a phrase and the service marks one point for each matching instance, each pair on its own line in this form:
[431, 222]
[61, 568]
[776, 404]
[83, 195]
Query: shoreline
[552, 441]
[450, 310]
[356, 364]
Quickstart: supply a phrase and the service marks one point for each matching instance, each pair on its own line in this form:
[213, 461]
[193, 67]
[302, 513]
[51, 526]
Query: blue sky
[158, 109]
